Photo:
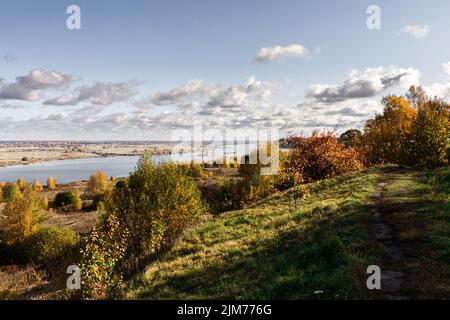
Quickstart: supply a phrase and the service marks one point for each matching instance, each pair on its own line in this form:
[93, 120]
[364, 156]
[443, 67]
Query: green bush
[49, 244]
[145, 214]
[225, 195]
[63, 199]
[104, 250]
[10, 191]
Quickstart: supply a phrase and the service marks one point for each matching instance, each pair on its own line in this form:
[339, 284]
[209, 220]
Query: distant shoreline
[14, 153]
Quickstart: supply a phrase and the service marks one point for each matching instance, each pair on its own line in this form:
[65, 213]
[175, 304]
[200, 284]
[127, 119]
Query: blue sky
[156, 47]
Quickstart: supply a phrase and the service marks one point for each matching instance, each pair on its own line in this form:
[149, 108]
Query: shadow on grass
[326, 257]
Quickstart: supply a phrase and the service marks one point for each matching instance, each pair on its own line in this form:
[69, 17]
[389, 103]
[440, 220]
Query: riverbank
[28, 152]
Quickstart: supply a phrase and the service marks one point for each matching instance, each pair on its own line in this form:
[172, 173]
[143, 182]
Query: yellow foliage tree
[21, 183]
[98, 183]
[37, 186]
[77, 202]
[431, 136]
[386, 137]
[22, 215]
[45, 204]
[51, 183]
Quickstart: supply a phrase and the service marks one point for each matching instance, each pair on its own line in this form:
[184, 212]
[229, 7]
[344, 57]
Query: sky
[140, 70]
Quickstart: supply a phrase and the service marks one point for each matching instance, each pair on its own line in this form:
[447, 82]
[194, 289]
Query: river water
[65, 171]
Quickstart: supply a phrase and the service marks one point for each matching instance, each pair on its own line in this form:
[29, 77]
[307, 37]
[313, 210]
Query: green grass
[319, 251]
[271, 251]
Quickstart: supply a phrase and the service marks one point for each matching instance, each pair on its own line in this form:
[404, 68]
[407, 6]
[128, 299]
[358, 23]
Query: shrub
[45, 204]
[145, 213]
[97, 184]
[321, 156]
[64, 199]
[225, 195]
[2, 186]
[21, 183]
[77, 202]
[193, 170]
[54, 249]
[51, 183]
[10, 191]
[104, 249]
[37, 186]
[48, 244]
[22, 215]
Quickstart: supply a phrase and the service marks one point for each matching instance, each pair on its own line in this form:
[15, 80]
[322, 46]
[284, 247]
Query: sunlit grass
[272, 250]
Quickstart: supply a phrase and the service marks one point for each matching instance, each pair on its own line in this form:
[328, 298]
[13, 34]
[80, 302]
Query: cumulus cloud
[446, 67]
[240, 97]
[440, 90]
[101, 93]
[364, 84]
[279, 52]
[183, 94]
[28, 87]
[416, 31]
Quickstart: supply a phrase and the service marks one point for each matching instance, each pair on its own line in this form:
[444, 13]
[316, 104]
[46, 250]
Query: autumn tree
[351, 138]
[77, 202]
[22, 215]
[98, 183]
[37, 186]
[51, 183]
[430, 140]
[413, 130]
[10, 191]
[387, 137]
[21, 183]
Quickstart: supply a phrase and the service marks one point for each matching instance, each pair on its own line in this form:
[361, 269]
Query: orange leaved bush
[321, 156]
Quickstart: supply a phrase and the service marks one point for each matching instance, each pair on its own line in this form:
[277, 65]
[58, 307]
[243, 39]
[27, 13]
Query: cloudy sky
[142, 69]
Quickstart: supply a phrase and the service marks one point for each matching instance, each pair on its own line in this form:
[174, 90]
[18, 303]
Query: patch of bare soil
[392, 249]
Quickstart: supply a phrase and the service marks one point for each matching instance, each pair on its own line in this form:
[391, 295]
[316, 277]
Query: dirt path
[392, 251]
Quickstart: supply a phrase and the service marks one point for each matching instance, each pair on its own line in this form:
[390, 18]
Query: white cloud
[446, 67]
[182, 94]
[101, 93]
[28, 87]
[364, 84]
[440, 90]
[279, 52]
[416, 31]
[58, 116]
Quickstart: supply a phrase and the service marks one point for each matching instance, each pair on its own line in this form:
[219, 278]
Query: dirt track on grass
[392, 258]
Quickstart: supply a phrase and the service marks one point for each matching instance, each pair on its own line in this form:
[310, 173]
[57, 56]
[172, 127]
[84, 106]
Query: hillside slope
[320, 249]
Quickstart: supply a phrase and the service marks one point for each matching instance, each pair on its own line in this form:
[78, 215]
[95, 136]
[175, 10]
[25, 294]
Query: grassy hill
[320, 250]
